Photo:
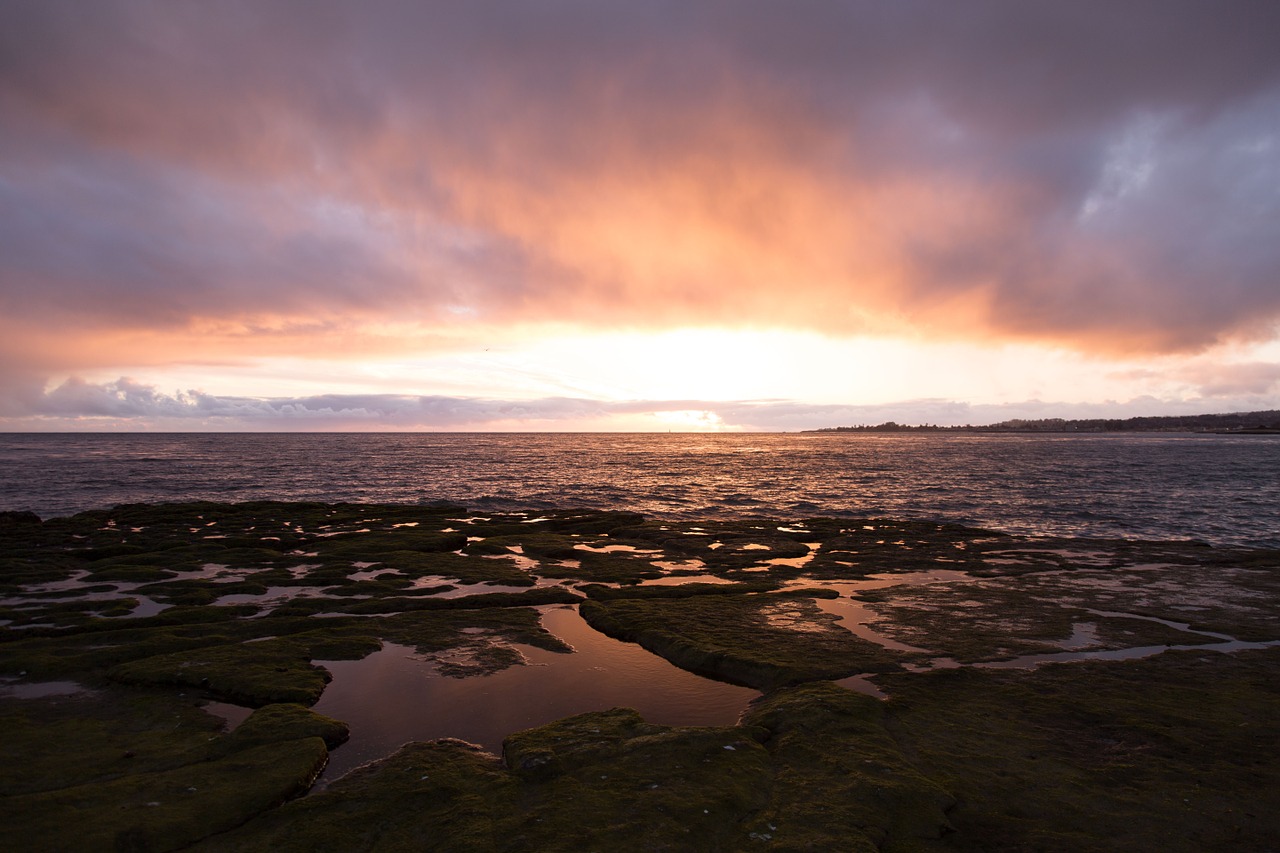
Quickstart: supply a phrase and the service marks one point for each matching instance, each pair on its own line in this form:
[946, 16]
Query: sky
[560, 216]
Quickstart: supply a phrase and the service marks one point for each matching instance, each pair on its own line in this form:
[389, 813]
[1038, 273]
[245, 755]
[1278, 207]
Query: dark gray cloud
[1104, 174]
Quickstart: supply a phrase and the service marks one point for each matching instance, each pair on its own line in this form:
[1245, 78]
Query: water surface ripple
[1221, 489]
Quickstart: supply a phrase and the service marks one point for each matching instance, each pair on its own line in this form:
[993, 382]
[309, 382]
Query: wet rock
[168, 809]
[762, 641]
[840, 779]
[1173, 753]
[281, 722]
[253, 674]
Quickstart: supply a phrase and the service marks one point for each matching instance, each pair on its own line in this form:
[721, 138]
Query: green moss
[811, 769]
[606, 568]
[465, 569]
[64, 741]
[254, 674]
[762, 641]
[1037, 613]
[99, 644]
[18, 571]
[532, 598]
[445, 796]
[168, 809]
[610, 781]
[617, 784]
[580, 522]
[840, 780]
[282, 722]
[543, 546]
[128, 573]
[367, 546]
[133, 769]
[1174, 752]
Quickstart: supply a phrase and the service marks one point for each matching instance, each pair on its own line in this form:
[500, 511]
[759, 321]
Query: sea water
[1220, 489]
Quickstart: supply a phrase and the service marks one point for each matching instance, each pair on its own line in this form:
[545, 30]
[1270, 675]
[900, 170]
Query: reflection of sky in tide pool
[392, 697]
[39, 690]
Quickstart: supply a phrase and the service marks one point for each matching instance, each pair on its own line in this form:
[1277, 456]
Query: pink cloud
[306, 173]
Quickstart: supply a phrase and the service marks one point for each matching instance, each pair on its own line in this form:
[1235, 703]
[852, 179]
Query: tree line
[1267, 421]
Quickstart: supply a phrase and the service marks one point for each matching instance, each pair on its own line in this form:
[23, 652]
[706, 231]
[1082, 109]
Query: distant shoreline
[1235, 423]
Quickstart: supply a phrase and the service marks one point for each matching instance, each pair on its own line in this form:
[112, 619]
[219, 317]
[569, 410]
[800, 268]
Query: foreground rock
[117, 770]
[1174, 753]
[141, 615]
[762, 640]
[809, 769]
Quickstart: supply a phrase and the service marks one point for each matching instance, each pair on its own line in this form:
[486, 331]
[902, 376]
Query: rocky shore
[1042, 694]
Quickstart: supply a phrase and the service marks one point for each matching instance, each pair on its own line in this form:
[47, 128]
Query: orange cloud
[209, 182]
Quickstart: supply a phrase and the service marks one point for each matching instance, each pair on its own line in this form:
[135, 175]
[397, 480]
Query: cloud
[126, 404]
[126, 401]
[208, 177]
[1257, 379]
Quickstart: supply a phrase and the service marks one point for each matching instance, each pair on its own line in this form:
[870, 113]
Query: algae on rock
[759, 640]
[122, 769]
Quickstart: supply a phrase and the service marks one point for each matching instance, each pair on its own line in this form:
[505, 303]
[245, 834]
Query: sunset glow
[609, 216]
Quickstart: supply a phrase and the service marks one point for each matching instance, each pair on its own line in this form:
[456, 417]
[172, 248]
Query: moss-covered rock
[1009, 615]
[443, 796]
[840, 780]
[610, 781]
[281, 722]
[762, 641]
[614, 783]
[95, 736]
[128, 769]
[1172, 753]
[165, 810]
[254, 674]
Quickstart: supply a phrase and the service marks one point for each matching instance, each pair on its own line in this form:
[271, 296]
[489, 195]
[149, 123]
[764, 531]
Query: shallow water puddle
[862, 684]
[523, 563]
[232, 715]
[1133, 653]
[854, 614]
[854, 617]
[392, 696]
[40, 689]
[685, 565]
[147, 607]
[792, 562]
[680, 580]
[275, 595]
[616, 549]
[462, 590]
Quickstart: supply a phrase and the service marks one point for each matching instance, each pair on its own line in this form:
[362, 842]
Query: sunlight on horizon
[688, 379]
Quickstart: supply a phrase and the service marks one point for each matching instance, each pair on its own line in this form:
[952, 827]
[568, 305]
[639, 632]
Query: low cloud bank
[125, 404]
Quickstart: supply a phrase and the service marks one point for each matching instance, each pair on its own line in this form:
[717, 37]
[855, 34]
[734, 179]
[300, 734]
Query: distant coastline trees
[1241, 422]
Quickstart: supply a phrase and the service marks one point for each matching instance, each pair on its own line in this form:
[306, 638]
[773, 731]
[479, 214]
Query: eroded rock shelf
[1046, 694]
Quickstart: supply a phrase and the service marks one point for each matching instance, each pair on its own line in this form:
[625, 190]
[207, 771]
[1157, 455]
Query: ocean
[1224, 490]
